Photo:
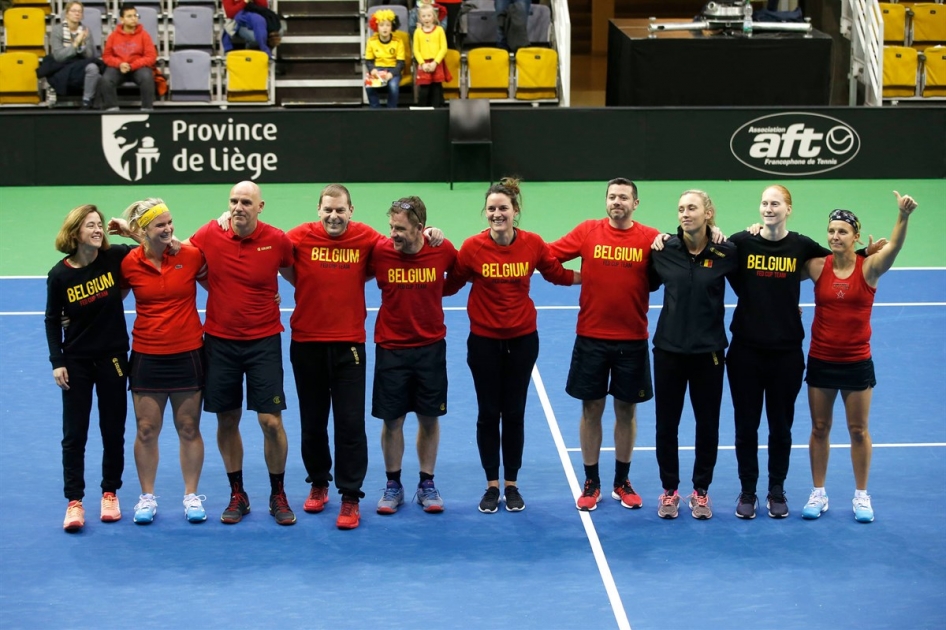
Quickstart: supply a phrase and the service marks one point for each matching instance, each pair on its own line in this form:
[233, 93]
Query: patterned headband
[847, 216]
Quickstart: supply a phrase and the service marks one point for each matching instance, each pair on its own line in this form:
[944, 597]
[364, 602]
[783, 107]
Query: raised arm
[878, 264]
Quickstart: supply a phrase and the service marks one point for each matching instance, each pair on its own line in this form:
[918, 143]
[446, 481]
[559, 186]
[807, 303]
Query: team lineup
[237, 260]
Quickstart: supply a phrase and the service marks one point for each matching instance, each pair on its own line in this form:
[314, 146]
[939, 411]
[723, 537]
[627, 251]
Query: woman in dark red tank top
[844, 294]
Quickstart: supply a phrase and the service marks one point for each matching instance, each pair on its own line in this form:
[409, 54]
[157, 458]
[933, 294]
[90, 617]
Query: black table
[708, 68]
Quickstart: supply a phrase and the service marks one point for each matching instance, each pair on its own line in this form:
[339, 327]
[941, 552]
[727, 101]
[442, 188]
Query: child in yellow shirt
[430, 47]
[384, 59]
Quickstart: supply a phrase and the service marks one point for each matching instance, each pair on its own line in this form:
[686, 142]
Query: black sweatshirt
[91, 297]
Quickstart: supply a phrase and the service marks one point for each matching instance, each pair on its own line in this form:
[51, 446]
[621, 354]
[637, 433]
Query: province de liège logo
[129, 146]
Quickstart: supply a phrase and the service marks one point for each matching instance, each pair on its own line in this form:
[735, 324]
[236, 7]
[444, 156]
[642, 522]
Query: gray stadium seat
[540, 23]
[190, 76]
[193, 28]
[92, 20]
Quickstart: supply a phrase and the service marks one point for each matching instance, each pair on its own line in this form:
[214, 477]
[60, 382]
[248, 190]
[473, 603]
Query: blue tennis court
[547, 567]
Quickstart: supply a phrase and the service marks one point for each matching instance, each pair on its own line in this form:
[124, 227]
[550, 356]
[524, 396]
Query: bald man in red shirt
[242, 337]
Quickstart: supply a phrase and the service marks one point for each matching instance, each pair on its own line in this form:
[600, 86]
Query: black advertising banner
[540, 144]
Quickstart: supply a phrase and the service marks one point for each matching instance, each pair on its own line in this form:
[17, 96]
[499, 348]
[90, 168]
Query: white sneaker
[145, 509]
[863, 512]
[50, 97]
[194, 509]
[816, 506]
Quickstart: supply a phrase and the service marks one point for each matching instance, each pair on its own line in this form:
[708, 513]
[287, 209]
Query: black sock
[621, 470]
[591, 472]
[394, 476]
[236, 481]
[425, 477]
[276, 482]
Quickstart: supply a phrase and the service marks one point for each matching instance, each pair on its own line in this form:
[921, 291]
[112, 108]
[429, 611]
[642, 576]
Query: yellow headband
[150, 215]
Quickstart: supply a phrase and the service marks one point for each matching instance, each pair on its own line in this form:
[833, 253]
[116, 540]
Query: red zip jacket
[135, 48]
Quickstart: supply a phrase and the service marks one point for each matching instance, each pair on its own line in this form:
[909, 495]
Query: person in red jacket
[129, 56]
[503, 344]
[839, 359]
[247, 19]
[611, 342]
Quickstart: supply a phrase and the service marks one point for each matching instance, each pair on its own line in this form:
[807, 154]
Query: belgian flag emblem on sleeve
[706, 263]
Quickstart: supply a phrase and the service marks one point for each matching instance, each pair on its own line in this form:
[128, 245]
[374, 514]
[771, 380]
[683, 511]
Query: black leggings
[776, 376]
[108, 377]
[704, 375]
[502, 369]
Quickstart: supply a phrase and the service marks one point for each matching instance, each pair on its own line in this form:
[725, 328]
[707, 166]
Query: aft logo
[129, 147]
[795, 143]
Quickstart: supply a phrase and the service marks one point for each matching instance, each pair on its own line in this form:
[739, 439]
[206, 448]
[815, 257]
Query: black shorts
[167, 373]
[410, 379]
[626, 363]
[229, 359]
[856, 376]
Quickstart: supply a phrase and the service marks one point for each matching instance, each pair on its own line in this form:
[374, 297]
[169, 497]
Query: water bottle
[747, 19]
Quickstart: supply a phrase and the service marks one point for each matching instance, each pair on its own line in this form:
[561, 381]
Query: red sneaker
[588, 501]
[626, 495]
[318, 497]
[350, 515]
[238, 507]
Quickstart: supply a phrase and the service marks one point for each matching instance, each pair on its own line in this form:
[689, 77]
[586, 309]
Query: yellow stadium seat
[895, 23]
[247, 76]
[536, 73]
[43, 5]
[488, 70]
[407, 76]
[18, 78]
[929, 25]
[900, 70]
[25, 30]
[935, 71]
[451, 89]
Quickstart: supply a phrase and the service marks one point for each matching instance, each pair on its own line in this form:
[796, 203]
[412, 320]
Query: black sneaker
[514, 502]
[745, 506]
[239, 505]
[490, 501]
[777, 503]
[279, 508]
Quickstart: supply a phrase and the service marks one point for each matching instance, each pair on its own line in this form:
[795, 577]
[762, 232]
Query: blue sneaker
[194, 509]
[863, 512]
[816, 506]
[392, 498]
[429, 497]
[145, 509]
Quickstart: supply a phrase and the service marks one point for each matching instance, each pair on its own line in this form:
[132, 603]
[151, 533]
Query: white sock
[861, 494]
[818, 492]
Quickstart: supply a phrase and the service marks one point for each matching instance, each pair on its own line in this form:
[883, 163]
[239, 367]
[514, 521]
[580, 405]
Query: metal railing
[862, 23]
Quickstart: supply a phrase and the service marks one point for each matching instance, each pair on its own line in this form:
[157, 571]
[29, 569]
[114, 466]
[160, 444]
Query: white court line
[765, 446]
[655, 307]
[616, 605]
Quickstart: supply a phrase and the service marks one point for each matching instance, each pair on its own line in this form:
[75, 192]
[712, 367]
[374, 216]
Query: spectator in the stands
[129, 55]
[430, 48]
[412, 20]
[253, 22]
[384, 59]
[73, 67]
